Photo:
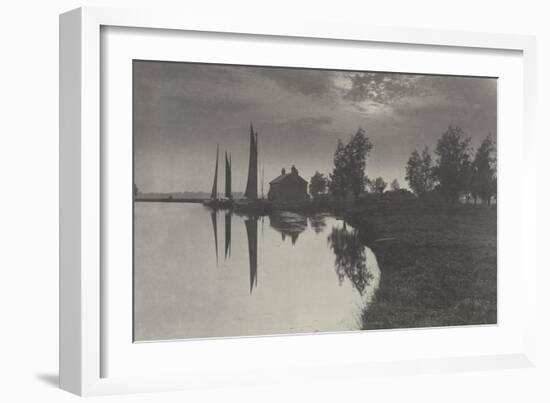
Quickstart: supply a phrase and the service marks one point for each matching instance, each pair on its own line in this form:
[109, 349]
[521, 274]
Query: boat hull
[219, 204]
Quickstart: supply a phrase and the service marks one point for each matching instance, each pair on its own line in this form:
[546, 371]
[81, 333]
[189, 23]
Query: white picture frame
[82, 245]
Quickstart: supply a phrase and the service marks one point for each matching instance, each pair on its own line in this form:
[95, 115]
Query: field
[438, 262]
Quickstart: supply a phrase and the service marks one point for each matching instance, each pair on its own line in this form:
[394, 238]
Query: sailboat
[251, 203]
[215, 201]
[251, 192]
[214, 194]
[228, 193]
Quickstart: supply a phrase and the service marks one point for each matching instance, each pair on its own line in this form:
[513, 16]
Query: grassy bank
[438, 264]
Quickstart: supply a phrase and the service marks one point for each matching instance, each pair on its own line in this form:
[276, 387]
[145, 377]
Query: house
[288, 188]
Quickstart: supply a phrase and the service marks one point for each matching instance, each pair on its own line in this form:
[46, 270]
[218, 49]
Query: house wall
[289, 191]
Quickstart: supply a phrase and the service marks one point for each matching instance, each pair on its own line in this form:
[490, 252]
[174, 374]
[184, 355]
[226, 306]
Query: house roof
[284, 177]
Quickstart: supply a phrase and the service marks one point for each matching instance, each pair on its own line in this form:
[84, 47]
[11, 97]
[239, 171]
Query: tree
[350, 162]
[378, 185]
[395, 185]
[453, 165]
[337, 184]
[419, 172]
[318, 185]
[484, 170]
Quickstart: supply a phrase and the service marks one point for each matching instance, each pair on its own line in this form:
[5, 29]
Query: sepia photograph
[281, 200]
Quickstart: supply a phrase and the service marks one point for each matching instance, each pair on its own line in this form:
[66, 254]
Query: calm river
[203, 274]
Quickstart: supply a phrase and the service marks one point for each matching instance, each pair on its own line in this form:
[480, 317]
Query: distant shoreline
[170, 200]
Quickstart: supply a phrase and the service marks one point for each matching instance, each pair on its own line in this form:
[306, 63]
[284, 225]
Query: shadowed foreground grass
[438, 263]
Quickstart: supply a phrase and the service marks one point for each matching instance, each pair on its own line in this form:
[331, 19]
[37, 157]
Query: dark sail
[228, 176]
[252, 235]
[214, 194]
[251, 191]
[262, 180]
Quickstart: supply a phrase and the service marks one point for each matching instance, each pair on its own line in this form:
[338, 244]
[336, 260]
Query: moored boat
[225, 202]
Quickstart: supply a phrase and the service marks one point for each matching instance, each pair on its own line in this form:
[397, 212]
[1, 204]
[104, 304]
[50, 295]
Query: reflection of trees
[318, 223]
[288, 224]
[350, 259]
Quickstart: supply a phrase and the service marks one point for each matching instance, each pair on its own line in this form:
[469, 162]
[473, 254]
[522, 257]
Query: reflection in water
[227, 234]
[298, 290]
[252, 235]
[350, 259]
[288, 224]
[318, 222]
[215, 227]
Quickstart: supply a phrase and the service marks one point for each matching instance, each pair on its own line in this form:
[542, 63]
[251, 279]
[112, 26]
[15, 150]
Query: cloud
[382, 88]
[176, 73]
[405, 95]
[314, 83]
[309, 123]
[209, 104]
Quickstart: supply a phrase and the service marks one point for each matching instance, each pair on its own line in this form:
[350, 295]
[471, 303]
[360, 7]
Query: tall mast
[228, 176]
[262, 181]
[251, 191]
[214, 194]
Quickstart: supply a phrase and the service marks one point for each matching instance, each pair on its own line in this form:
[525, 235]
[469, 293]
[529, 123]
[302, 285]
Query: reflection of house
[288, 188]
[288, 224]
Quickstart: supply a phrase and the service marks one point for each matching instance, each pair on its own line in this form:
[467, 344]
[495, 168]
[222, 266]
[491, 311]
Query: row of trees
[319, 184]
[349, 173]
[455, 171]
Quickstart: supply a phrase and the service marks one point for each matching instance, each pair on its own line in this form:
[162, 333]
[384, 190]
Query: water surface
[199, 273]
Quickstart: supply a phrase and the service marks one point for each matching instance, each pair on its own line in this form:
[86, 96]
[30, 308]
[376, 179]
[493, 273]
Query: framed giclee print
[332, 187]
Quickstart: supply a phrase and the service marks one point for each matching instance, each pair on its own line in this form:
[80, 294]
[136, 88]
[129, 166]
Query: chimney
[283, 171]
[294, 170]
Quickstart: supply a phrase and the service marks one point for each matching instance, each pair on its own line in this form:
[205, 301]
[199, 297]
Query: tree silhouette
[350, 162]
[453, 166]
[378, 185]
[395, 185]
[484, 170]
[419, 172]
[318, 185]
[338, 184]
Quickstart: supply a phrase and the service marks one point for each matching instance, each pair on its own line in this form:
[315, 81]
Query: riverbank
[438, 264]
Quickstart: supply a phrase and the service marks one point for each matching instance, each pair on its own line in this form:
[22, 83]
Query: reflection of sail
[214, 194]
[288, 224]
[350, 258]
[251, 191]
[252, 235]
[227, 234]
[228, 176]
[215, 227]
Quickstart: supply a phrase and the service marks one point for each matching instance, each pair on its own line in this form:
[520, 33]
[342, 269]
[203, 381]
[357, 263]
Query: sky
[183, 110]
